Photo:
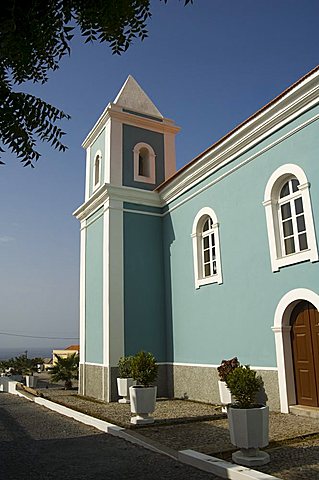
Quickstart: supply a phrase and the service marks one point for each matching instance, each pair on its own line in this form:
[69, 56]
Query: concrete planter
[143, 400]
[16, 378]
[249, 430]
[123, 385]
[31, 381]
[224, 395]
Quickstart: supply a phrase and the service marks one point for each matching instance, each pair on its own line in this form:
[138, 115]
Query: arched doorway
[304, 323]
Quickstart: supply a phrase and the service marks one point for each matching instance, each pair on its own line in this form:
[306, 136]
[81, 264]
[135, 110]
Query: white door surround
[281, 330]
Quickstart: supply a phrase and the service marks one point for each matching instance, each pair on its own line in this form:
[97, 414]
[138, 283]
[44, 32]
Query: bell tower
[131, 144]
[129, 152]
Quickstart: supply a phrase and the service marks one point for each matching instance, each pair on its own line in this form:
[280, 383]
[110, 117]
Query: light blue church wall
[94, 289]
[220, 321]
[98, 144]
[144, 305]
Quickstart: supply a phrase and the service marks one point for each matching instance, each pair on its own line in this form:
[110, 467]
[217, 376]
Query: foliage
[65, 369]
[244, 384]
[226, 367]
[34, 36]
[144, 368]
[125, 367]
[21, 365]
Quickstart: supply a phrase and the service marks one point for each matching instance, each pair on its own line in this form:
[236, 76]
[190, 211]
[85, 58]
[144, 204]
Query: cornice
[113, 111]
[123, 194]
[271, 118]
[135, 195]
[94, 202]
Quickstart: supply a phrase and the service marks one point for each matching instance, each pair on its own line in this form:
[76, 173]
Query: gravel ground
[167, 411]
[294, 440]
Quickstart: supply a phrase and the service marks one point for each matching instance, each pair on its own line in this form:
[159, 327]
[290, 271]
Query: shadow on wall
[168, 240]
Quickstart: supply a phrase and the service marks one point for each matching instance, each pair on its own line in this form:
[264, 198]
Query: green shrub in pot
[144, 368]
[125, 367]
[244, 384]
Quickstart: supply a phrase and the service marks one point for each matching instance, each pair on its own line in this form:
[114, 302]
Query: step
[304, 411]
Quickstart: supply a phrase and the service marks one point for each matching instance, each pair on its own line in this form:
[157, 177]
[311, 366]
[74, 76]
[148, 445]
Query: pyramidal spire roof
[132, 97]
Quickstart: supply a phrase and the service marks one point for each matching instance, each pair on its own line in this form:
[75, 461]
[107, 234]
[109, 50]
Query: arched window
[289, 218]
[97, 170]
[206, 251]
[144, 163]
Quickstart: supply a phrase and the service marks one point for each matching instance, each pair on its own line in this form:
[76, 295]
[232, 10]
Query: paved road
[36, 443]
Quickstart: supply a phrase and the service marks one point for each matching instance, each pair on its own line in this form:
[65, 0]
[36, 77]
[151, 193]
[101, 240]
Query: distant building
[47, 363]
[66, 352]
[217, 260]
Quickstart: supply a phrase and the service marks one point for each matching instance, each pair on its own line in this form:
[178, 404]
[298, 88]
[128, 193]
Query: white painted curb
[220, 467]
[190, 457]
[80, 417]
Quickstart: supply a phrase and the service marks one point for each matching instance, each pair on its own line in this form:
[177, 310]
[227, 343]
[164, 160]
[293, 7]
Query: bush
[125, 367]
[21, 365]
[244, 384]
[144, 369]
[65, 369]
[226, 367]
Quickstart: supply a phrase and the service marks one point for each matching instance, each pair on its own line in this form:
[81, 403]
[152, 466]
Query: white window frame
[98, 155]
[197, 235]
[271, 199]
[151, 178]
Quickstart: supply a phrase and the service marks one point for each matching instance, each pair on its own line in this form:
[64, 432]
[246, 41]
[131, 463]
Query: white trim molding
[87, 173]
[115, 111]
[213, 251]
[282, 110]
[281, 330]
[271, 197]
[142, 152]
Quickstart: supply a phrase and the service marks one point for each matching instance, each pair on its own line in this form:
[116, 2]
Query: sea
[32, 352]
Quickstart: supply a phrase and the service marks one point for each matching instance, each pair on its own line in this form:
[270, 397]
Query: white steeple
[132, 97]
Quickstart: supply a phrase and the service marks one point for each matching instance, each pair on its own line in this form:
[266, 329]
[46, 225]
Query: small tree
[144, 368]
[125, 367]
[244, 384]
[65, 369]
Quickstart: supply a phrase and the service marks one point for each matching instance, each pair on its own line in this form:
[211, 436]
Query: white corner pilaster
[113, 299]
[116, 152]
[87, 173]
[82, 297]
[169, 154]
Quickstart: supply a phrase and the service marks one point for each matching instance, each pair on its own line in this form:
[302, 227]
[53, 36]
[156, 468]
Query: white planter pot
[143, 401]
[123, 385]
[31, 381]
[249, 430]
[224, 395]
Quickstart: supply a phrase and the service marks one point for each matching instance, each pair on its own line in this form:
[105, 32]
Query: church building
[216, 260]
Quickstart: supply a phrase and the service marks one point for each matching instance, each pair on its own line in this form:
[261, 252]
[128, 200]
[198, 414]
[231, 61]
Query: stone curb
[198, 460]
[220, 467]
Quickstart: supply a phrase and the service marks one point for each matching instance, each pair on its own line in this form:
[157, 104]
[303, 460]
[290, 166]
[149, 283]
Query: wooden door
[305, 349]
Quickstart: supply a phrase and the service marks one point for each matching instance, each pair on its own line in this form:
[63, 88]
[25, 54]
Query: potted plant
[29, 368]
[125, 379]
[248, 421]
[224, 369]
[143, 395]
[30, 379]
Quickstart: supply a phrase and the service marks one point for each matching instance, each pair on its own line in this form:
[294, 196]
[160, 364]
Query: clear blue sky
[207, 66]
